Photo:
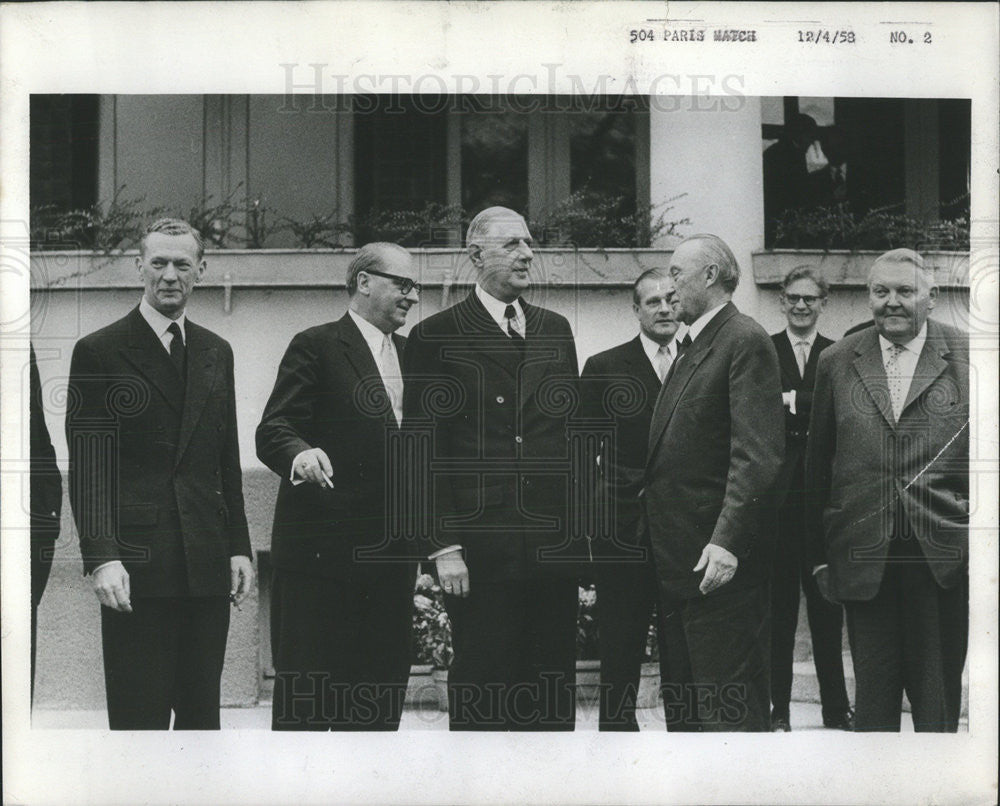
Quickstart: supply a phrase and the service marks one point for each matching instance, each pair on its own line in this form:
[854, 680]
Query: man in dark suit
[46, 501]
[491, 385]
[618, 390]
[156, 489]
[716, 443]
[887, 460]
[786, 176]
[803, 296]
[341, 606]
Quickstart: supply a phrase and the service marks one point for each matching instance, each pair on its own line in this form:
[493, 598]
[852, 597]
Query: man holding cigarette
[341, 607]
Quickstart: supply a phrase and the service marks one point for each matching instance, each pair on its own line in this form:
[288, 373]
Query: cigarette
[327, 479]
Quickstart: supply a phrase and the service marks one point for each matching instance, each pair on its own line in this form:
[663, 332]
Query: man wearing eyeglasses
[341, 605]
[803, 297]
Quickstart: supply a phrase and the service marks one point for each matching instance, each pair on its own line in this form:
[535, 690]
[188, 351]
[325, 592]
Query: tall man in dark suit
[803, 296]
[156, 489]
[492, 382]
[618, 389]
[716, 443]
[341, 607]
[887, 459]
[46, 500]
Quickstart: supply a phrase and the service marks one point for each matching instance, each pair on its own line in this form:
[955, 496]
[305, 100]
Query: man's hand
[241, 578]
[453, 574]
[112, 586]
[313, 466]
[720, 567]
[822, 577]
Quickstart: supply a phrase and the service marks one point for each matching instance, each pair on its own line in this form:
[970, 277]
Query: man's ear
[932, 293]
[711, 274]
[476, 255]
[202, 265]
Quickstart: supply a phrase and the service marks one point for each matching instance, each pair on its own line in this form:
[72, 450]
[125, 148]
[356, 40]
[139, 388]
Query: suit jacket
[155, 477]
[329, 394]
[716, 444]
[618, 389]
[496, 471]
[46, 481]
[796, 425]
[866, 470]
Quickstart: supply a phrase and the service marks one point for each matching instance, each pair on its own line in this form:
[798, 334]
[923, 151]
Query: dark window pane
[494, 157]
[63, 137]
[602, 153]
[955, 144]
[400, 164]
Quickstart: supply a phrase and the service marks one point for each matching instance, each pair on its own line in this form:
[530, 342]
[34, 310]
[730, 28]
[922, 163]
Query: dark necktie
[681, 349]
[177, 347]
[510, 315]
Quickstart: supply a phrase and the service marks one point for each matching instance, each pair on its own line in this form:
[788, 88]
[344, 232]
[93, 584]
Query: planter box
[327, 268]
[850, 269]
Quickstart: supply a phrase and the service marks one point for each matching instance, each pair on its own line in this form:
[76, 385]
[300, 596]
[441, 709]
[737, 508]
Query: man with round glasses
[803, 297]
[340, 605]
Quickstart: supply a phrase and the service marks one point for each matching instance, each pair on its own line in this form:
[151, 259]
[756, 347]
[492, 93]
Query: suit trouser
[341, 650]
[166, 655]
[717, 670]
[912, 637]
[826, 622]
[44, 532]
[626, 601]
[514, 666]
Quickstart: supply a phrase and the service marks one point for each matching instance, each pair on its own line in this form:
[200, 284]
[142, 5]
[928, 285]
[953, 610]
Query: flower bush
[431, 636]
[588, 636]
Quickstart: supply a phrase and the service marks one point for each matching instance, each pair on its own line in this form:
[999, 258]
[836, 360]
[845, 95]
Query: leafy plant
[838, 227]
[102, 227]
[591, 219]
[319, 231]
[216, 222]
[431, 636]
[430, 225]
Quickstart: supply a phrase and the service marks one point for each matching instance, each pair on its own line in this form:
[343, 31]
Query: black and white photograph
[429, 368]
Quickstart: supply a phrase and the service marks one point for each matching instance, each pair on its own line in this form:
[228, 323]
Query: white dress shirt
[702, 321]
[652, 348]
[496, 309]
[159, 323]
[789, 397]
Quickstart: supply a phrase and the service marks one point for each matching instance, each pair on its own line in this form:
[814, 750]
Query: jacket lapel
[491, 342]
[145, 352]
[359, 357]
[871, 371]
[930, 364]
[538, 354]
[639, 366]
[683, 371]
[202, 375]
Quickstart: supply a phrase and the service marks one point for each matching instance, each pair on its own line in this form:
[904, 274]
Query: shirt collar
[794, 338]
[651, 348]
[495, 308]
[372, 335]
[702, 321]
[158, 322]
[914, 345]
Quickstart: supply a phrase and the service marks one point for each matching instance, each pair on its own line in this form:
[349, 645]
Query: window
[461, 154]
[63, 139]
[856, 155]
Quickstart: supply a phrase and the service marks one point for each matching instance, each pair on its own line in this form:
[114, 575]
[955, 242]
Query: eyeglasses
[795, 299]
[404, 284]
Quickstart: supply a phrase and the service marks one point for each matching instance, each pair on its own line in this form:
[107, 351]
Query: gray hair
[904, 257]
[479, 227]
[369, 256]
[173, 226]
[716, 251]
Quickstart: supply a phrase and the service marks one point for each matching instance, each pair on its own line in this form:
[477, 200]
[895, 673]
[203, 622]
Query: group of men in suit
[473, 446]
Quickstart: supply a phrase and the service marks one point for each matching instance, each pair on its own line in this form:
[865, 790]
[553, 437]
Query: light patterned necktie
[802, 356]
[663, 361]
[894, 377]
[392, 377]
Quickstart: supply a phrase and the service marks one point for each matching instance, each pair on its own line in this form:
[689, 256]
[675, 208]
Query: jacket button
[518, 439]
[499, 398]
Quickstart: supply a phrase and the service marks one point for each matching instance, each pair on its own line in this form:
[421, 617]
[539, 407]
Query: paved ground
[805, 716]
